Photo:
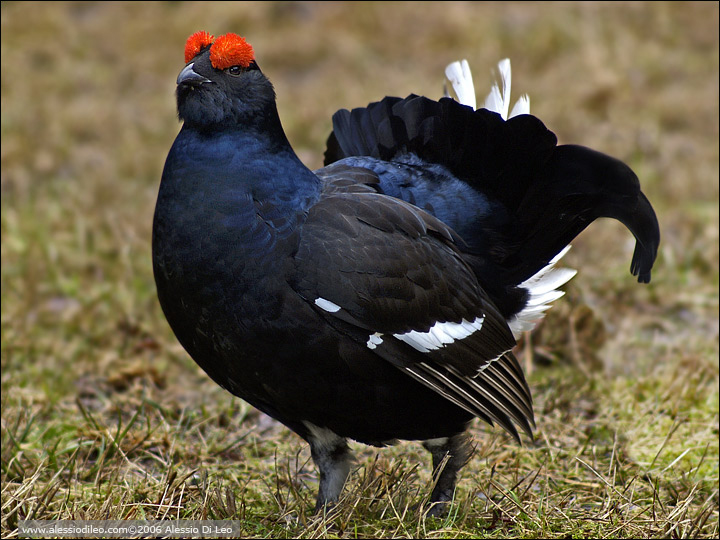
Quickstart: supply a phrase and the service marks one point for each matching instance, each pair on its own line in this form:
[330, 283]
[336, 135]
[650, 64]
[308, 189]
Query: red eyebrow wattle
[196, 43]
[231, 50]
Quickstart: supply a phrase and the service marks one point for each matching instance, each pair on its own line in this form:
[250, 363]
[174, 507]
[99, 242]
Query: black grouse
[377, 298]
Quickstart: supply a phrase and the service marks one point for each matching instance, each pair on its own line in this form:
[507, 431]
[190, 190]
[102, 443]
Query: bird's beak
[189, 77]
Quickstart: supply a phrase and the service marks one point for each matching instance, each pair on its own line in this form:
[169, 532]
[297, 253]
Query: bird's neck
[246, 187]
[251, 159]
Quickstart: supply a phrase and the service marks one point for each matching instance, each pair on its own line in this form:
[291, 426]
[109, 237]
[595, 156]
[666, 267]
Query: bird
[379, 298]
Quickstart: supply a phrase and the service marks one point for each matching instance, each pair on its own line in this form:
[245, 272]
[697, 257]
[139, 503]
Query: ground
[105, 416]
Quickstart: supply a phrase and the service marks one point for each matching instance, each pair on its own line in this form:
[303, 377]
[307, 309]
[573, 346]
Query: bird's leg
[449, 455]
[332, 457]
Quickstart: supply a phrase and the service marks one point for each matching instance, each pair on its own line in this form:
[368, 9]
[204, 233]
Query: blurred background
[88, 115]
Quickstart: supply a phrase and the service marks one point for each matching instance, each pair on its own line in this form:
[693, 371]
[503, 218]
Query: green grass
[105, 416]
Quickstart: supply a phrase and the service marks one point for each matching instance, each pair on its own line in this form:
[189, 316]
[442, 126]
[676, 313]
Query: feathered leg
[332, 457]
[449, 455]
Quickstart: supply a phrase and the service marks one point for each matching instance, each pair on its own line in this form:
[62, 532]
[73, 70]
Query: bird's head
[221, 83]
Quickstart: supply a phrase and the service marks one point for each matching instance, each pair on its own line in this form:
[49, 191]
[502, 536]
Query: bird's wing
[342, 178]
[389, 276]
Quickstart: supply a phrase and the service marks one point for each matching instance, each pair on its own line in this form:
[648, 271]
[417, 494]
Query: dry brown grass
[104, 415]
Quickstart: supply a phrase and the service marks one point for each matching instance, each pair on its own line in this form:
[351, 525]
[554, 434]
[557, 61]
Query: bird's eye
[234, 70]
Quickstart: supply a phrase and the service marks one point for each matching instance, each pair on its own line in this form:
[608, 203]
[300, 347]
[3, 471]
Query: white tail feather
[542, 288]
[499, 100]
[522, 106]
[459, 75]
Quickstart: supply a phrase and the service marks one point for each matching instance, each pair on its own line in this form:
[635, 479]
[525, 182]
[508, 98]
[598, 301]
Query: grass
[105, 416]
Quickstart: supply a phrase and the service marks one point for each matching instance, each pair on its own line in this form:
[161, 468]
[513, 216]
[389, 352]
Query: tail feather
[459, 75]
[499, 100]
[542, 288]
[522, 106]
[644, 226]
[504, 185]
[580, 185]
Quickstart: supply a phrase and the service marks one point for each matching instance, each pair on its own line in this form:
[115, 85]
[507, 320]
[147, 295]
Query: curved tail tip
[641, 265]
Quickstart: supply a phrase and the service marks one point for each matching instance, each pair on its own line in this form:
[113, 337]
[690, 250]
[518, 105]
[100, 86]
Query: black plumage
[372, 299]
